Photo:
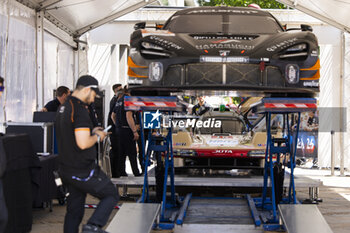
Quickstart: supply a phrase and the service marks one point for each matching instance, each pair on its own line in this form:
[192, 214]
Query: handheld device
[106, 129]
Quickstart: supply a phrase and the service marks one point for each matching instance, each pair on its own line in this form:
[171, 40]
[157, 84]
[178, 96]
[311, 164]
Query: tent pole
[40, 58]
[341, 120]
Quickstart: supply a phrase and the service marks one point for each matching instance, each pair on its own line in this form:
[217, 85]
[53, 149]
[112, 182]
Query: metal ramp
[206, 215]
[303, 218]
[215, 228]
[300, 181]
[218, 211]
[254, 181]
[134, 218]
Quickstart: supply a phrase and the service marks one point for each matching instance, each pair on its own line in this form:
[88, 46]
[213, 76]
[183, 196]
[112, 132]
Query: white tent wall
[347, 101]
[58, 65]
[17, 61]
[331, 55]
[329, 86]
[335, 13]
[3, 35]
[108, 64]
[329, 39]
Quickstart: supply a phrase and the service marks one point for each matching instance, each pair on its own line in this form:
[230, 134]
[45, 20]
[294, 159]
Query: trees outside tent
[266, 4]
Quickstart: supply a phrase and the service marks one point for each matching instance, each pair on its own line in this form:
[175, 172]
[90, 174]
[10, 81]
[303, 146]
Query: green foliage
[265, 4]
[164, 2]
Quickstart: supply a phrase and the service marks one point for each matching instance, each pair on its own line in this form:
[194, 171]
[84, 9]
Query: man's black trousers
[114, 156]
[127, 148]
[3, 210]
[100, 186]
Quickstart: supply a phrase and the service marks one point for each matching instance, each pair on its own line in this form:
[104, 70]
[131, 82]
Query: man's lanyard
[84, 179]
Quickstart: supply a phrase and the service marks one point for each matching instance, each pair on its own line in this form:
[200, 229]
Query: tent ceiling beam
[47, 3]
[58, 23]
[294, 4]
[60, 34]
[30, 4]
[112, 17]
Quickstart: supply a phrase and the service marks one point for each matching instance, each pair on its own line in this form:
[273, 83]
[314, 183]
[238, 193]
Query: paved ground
[335, 206]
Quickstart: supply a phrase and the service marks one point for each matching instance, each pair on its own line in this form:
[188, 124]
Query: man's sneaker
[88, 228]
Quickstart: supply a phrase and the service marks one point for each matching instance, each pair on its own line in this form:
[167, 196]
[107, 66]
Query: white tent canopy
[333, 12]
[79, 16]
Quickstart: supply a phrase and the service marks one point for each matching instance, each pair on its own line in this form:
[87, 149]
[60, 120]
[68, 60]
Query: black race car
[224, 48]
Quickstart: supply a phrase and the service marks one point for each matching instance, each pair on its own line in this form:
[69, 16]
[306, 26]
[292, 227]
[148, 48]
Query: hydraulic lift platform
[245, 182]
[245, 214]
[249, 182]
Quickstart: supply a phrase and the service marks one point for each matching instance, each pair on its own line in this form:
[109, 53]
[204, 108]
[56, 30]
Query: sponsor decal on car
[224, 53]
[222, 11]
[314, 53]
[223, 38]
[223, 152]
[133, 51]
[311, 84]
[282, 45]
[225, 41]
[180, 144]
[166, 43]
[221, 137]
[220, 142]
[135, 81]
[225, 46]
[224, 59]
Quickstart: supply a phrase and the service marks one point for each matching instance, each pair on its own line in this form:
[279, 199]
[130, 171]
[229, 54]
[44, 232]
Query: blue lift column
[150, 112]
[275, 147]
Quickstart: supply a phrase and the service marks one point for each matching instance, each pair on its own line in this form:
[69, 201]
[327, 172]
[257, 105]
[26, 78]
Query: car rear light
[294, 55]
[155, 71]
[292, 73]
[297, 48]
[155, 53]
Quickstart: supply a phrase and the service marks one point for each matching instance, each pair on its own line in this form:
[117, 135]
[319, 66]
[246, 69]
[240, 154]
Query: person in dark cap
[78, 167]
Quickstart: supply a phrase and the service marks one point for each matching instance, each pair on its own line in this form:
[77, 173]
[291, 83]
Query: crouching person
[78, 167]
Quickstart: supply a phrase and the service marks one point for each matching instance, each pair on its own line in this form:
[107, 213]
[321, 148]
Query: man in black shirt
[61, 95]
[114, 157]
[200, 108]
[127, 132]
[118, 92]
[78, 167]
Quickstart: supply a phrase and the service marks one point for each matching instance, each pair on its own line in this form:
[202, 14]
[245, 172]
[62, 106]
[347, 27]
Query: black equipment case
[40, 133]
